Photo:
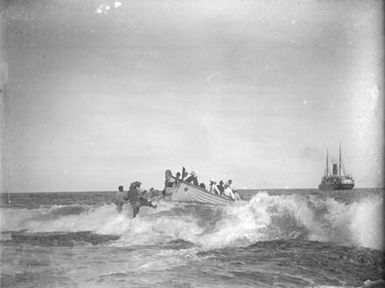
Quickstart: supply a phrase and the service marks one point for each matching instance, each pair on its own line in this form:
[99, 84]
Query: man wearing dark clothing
[221, 187]
[177, 177]
[192, 179]
[136, 199]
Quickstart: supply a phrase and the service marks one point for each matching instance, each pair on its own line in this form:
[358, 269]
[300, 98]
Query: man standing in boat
[235, 195]
[170, 181]
[221, 187]
[192, 179]
[228, 192]
[213, 187]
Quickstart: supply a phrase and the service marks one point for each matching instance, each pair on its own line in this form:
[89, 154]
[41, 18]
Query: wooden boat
[186, 192]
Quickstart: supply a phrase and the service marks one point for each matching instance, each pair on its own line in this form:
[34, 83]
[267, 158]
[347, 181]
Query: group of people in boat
[134, 196]
[225, 189]
[220, 188]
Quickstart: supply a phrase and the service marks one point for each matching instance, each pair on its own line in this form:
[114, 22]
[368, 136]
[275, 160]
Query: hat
[213, 180]
[135, 184]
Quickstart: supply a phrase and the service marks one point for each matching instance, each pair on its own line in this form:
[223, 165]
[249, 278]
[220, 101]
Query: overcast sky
[102, 93]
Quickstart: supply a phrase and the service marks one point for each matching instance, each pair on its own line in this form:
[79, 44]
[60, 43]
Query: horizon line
[239, 189]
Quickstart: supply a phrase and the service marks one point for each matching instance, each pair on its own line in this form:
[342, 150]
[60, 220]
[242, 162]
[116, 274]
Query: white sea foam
[263, 218]
[360, 222]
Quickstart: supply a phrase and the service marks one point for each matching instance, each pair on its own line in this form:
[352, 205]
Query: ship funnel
[335, 169]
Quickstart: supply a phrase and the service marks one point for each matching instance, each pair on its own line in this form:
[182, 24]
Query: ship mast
[327, 164]
[339, 162]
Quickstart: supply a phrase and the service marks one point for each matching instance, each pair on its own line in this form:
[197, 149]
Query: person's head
[212, 181]
[135, 184]
[221, 182]
[177, 174]
[193, 173]
[121, 188]
[230, 181]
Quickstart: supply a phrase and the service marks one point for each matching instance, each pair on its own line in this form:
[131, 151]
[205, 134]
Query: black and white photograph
[192, 143]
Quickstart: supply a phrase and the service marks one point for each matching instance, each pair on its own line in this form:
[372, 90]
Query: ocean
[272, 238]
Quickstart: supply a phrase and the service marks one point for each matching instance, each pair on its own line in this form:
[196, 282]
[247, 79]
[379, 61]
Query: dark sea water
[274, 238]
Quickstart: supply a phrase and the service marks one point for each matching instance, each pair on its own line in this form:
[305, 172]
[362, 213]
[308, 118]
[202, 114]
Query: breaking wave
[263, 218]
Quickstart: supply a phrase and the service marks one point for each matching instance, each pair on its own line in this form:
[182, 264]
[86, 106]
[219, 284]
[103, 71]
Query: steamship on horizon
[338, 180]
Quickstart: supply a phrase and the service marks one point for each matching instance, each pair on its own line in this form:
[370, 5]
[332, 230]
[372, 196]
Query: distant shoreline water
[238, 189]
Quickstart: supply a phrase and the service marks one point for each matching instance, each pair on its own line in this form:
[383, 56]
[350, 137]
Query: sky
[97, 94]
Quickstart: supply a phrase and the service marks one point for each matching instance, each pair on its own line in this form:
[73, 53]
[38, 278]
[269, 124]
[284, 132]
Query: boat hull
[332, 186]
[186, 192]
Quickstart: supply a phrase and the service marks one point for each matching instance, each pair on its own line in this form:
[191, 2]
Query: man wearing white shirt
[228, 192]
[213, 187]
